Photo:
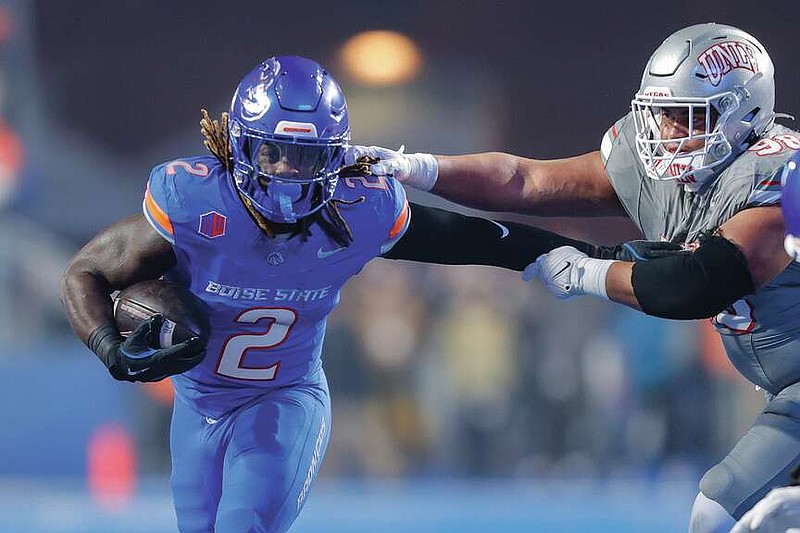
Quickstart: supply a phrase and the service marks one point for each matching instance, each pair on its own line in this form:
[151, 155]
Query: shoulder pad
[168, 186]
[610, 137]
[766, 160]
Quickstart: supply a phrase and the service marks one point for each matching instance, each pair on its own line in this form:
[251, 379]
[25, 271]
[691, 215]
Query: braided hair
[329, 218]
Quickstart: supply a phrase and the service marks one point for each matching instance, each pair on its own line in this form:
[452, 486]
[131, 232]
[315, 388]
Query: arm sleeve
[443, 237]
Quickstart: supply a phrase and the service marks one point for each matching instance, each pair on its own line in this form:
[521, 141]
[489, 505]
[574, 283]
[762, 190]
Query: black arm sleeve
[447, 238]
[696, 285]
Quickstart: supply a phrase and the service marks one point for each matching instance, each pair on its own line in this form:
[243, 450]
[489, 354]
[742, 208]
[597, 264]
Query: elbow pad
[700, 284]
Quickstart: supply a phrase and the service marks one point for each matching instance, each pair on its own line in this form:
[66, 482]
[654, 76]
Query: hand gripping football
[184, 313]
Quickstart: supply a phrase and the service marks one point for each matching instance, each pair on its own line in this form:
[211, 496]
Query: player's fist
[138, 360]
[568, 272]
[415, 170]
[139, 357]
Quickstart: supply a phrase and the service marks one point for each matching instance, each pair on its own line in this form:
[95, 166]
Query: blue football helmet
[790, 205]
[288, 131]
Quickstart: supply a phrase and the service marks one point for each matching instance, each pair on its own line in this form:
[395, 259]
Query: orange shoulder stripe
[158, 214]
[400, 222]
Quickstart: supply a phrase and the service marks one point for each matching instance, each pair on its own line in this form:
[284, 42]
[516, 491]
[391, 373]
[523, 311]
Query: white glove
[777, 512]
[567, 272]
[415, 170]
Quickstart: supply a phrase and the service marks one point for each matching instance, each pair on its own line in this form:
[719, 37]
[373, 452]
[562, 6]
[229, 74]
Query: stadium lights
[380, 57]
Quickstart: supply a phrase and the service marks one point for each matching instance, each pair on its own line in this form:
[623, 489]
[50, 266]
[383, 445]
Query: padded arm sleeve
[447, 238]
[696, 285]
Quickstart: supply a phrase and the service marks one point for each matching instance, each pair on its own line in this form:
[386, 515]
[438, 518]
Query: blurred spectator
[476, 348]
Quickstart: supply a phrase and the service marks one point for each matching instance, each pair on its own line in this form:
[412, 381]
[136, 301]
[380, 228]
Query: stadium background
[463, 399]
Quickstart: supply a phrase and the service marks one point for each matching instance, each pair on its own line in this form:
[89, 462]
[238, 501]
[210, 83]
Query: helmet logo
[255, 102]
[721, 58]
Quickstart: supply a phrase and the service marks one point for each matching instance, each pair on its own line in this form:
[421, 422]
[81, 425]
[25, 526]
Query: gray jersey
[761, 332]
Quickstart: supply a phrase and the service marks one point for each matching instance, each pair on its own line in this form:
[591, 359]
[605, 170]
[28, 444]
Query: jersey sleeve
[401, 216]
[159, 199]
[607, 144]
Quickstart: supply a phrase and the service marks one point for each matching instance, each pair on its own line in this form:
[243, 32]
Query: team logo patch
[722, 58]
[212, 225]
[275, 258]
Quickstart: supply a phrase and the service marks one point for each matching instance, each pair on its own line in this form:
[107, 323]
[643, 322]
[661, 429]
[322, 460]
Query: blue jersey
[269, 298]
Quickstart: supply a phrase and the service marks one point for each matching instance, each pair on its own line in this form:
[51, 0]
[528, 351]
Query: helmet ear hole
[751, 115]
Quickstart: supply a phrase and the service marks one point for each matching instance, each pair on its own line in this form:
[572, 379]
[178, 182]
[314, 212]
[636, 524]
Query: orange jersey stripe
[157, 213]
[400, 223]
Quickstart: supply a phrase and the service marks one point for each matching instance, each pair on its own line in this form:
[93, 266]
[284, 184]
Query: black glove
[639, 250]
[134, 359]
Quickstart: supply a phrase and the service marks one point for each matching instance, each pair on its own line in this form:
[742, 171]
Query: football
[184, 313]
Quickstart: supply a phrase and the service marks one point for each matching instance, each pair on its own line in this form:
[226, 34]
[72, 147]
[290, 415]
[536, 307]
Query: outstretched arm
[448, 238]
[575, 186]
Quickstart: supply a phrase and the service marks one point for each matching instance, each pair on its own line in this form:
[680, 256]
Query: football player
[266, 231]
[696, 163]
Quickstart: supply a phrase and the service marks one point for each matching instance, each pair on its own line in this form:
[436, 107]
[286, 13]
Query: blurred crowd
[467, 371]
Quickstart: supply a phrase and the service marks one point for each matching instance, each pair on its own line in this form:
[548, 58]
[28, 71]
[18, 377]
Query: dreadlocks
[330, 219]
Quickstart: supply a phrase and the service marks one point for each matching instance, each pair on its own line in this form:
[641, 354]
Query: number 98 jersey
[269, 298]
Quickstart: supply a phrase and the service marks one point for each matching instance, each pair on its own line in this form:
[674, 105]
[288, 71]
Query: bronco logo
[725, 57]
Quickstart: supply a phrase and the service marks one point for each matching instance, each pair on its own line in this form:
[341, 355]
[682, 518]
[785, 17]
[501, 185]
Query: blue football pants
[252, 469]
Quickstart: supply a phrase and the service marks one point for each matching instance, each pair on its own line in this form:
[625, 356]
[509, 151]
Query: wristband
[423, 171]
[592, 273]
[104, 341]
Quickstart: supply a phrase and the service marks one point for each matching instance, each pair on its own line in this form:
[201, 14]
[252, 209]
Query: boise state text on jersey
[269, 298]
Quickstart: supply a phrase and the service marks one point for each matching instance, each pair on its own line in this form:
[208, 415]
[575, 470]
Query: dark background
[130, 74]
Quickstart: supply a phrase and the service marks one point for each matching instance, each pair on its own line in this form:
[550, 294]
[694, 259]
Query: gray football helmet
[719, 79]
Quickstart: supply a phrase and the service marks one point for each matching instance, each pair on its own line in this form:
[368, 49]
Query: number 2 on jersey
[280, 324]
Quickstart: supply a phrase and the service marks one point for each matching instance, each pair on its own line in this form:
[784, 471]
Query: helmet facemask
[693, 157]
[287, 178]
